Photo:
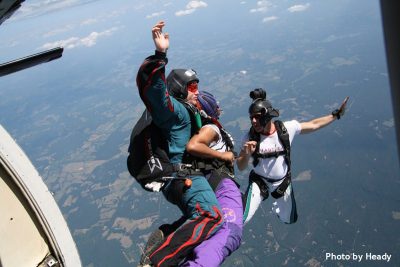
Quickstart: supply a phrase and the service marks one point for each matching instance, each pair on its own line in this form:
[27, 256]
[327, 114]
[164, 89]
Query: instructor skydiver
[268, 143]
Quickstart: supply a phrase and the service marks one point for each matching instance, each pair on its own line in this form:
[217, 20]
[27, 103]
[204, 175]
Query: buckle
[284, 185]
[181, 166]
[279, 191]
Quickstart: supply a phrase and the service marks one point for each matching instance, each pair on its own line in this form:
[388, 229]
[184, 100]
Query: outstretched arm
[318, 123]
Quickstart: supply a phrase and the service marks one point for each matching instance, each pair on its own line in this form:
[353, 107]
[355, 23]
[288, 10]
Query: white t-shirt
[274, 168]
[218, 145]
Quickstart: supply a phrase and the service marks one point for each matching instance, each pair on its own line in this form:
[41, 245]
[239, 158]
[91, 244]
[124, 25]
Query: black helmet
[177, 81]
[262, 106]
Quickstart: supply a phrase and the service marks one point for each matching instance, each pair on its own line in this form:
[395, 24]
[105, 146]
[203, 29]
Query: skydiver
[213, 146]
[198, 203]
[268, 143]
[211, 151]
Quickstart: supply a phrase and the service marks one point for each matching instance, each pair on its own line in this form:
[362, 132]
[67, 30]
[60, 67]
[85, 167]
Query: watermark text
[357, 257]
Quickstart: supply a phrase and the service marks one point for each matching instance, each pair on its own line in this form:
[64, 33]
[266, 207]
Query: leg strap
[258, 179]
[280, 190]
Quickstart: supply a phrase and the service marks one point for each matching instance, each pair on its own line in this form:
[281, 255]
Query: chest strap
[271, 154]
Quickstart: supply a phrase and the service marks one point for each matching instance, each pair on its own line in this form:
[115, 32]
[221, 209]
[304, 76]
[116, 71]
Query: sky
[73, 116]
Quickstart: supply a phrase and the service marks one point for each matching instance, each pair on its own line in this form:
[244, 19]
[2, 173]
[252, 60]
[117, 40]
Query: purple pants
[213, 251]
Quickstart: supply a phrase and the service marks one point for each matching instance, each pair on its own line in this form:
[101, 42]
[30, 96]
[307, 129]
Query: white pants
[284, 207]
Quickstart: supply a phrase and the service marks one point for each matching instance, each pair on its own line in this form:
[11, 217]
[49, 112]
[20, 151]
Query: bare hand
[161, 40]
[249, 147]
[228, 157]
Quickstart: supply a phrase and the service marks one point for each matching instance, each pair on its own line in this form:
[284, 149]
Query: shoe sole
[154, 240]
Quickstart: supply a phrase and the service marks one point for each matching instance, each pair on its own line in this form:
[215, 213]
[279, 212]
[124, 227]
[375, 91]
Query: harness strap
[214, 181]
[258, 179]
[278, 192]
[216, 176]
[284, 139]
[272, 154]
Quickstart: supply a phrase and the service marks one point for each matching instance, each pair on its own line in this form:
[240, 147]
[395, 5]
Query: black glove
[339, 112]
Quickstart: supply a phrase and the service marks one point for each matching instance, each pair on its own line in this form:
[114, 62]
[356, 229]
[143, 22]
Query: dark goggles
[255, 116]
[192, 87]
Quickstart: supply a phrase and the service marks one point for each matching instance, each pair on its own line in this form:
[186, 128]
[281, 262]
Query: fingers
[161, 40]
[232, 161]
[249, 147]
[251, 144]
[157, 29]
[159, 34]
[156, 34]
[159, 25]
[344, 103]
[342, 107]
[228, 156]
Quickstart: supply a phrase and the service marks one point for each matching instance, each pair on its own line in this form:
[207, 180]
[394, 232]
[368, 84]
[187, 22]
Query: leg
[204, 217]
[285, 206]
[253, 199]
[157, 237]
[213, 251]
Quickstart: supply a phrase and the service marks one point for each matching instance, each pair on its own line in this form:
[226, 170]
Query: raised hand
[341, 110]
[247, 150]
[249, 147]
[161, 40]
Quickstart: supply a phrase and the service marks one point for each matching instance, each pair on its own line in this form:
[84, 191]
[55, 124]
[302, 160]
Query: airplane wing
[30, 61]
[8, 7]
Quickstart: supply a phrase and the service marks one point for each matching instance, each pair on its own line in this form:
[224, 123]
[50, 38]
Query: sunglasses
[255, 116]
[192, 87]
